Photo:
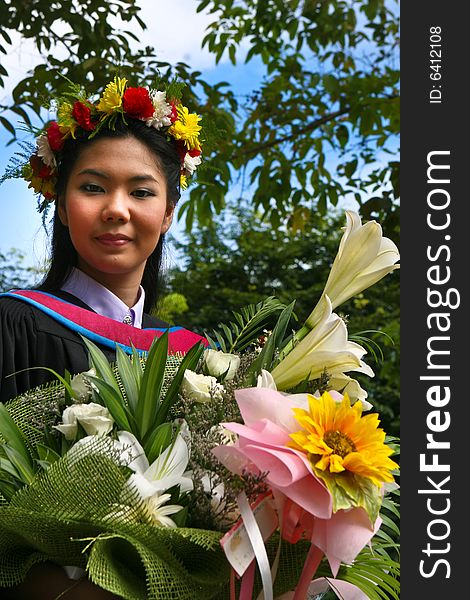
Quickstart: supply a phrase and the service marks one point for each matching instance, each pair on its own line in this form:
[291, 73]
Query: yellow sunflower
[337, 438]
[186, 128]
[111, 98]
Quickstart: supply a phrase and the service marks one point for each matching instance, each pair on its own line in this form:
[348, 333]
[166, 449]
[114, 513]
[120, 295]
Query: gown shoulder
[31, 340]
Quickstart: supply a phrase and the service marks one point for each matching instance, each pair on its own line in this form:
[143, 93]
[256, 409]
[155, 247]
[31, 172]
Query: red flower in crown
[181, 149]
[136, 103]
[55, 137]
[82, 114]
[39, 168]
[174, 113]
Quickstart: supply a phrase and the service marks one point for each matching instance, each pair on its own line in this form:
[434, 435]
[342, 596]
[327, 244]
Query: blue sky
[175, 39]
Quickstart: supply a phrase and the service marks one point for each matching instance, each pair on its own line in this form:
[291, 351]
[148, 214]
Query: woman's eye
[142, 193]
[92, 188]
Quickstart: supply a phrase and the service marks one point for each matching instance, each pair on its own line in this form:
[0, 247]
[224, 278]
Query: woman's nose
[116, 207]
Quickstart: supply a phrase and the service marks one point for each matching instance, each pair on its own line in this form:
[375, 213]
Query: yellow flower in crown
[186, 128]
[183, 181]
[67, 123]
[111, 99]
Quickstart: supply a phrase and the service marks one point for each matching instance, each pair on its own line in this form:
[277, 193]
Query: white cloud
[176, 31]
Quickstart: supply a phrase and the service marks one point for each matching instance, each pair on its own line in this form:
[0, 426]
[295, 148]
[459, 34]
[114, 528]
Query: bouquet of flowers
[252, 468]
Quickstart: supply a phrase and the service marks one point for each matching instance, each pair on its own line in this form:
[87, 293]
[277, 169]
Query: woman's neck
[125, 286]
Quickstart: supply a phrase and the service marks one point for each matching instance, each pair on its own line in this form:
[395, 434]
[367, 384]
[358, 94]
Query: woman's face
[115, 208]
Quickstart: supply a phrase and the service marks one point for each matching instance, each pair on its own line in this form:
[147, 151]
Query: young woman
[114, 170]
[115, 174]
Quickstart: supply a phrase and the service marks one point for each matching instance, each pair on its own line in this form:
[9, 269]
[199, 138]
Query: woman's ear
[62, 211]
[168, 219]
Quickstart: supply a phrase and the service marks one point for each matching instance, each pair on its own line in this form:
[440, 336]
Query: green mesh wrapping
[81, 512]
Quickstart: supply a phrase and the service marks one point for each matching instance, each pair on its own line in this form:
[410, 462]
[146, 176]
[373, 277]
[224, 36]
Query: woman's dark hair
[63, 254]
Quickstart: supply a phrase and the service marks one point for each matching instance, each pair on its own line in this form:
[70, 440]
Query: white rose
[94, 418]
[82, 386]
[217, 363]
[200, 388]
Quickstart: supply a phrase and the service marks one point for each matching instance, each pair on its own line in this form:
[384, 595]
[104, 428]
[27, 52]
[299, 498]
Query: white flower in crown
[162, 110]
[45, 152]
[191, 163]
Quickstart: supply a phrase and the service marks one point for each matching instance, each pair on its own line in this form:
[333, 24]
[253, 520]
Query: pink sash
[103, 330]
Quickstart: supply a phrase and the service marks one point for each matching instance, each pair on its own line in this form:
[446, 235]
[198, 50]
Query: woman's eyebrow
[135, 178]
[143, 178]
[93, 172]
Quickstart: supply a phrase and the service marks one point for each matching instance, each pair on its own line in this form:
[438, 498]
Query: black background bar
[435, 258]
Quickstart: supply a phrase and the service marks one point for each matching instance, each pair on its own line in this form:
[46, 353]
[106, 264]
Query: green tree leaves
[328, 100]
[14, 273]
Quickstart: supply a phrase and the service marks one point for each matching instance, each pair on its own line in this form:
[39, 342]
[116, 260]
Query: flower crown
[79, 118]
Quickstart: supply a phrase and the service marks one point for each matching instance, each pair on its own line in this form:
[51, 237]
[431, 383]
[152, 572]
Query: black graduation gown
[31, 338]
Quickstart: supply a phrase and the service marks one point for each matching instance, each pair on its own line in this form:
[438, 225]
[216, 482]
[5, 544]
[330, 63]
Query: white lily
[265, 380]
[165, 472]
[153, 480]
[347, 385]
[364, 257]
[325, 348]
[159, 511]
[150, 481]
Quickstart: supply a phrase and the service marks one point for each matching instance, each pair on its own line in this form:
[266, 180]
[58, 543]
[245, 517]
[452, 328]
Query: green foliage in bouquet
[79, 511]
[249, 332]
[248, 325]
[138, 399]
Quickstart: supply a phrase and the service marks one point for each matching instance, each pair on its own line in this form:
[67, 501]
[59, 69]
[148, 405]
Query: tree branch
[291, 136]
[310, 127]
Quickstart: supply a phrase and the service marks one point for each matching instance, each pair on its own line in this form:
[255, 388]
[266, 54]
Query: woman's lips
[109, 239]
